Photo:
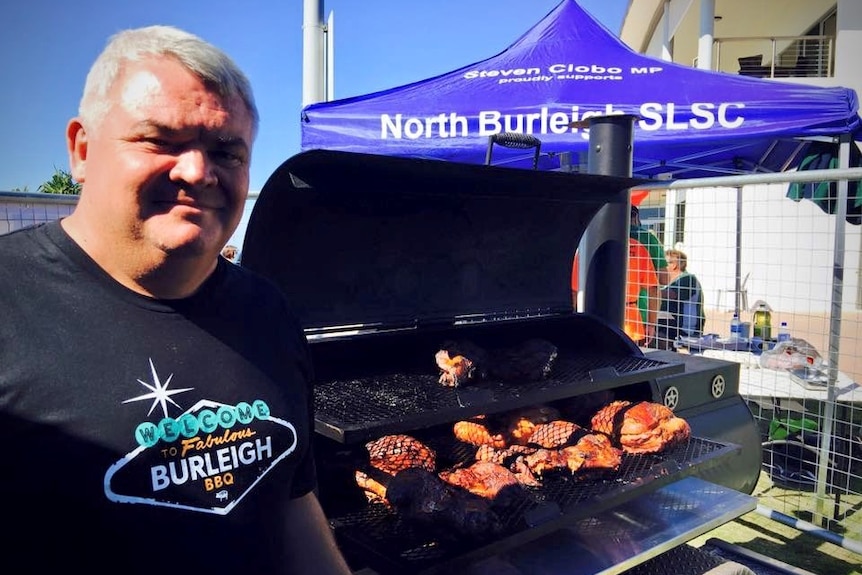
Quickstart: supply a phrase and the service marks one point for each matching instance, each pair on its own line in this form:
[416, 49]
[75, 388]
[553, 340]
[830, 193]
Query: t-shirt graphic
[206, 458]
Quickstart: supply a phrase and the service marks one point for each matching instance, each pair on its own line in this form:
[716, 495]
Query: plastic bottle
[762, 323]
[783, 332]
[735, 328]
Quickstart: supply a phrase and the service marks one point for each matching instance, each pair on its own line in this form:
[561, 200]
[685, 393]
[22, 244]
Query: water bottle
[783, 332]
[762, 323]
[735, 328]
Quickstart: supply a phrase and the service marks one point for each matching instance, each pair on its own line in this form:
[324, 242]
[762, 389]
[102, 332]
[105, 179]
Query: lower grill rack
[388, 543]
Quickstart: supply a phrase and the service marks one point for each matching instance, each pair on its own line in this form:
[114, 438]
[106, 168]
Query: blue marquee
[567, 68]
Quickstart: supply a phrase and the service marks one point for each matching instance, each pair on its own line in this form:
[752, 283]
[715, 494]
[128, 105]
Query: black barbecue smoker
[385, 258]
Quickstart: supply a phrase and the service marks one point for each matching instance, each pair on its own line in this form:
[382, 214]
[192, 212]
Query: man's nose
[194, 167]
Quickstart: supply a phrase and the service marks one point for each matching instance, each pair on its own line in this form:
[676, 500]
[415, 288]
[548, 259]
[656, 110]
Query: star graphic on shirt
[158, 392]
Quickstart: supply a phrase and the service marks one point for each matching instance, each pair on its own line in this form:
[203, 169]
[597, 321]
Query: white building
[787, 248]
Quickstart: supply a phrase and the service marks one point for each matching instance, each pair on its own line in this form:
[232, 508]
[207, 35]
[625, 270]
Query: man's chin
[187, 238]
[189, 246]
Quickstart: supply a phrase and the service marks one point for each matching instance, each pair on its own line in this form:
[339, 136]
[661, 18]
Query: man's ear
[76, 145]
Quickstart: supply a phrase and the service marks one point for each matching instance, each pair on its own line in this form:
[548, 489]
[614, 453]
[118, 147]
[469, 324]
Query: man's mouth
[192, 204]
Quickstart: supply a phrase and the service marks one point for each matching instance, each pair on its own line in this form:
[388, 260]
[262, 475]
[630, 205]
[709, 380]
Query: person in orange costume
[641, 274]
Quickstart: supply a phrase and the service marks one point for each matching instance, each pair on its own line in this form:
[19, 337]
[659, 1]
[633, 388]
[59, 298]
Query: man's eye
[161, 144]
[227, 158]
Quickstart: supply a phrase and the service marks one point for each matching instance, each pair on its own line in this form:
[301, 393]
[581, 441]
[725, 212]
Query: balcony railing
[776, 57]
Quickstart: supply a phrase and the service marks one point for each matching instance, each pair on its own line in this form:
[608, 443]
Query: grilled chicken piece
[511, 457]
[609, 419]
[514, 428]
[477, 433]
[599, 452]
[543, 460]
[483, 478]
[523, 423]
[643, 427]
[422, 496]
[393, 453]
[523, 473]
[555, 434]
[374, 490]
[454, 371]
[502, 455]
[460, 362]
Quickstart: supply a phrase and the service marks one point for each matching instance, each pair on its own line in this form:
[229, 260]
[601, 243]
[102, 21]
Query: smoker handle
[515, 141]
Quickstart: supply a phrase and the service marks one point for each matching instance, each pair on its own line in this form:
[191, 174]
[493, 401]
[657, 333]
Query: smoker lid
[360, 239]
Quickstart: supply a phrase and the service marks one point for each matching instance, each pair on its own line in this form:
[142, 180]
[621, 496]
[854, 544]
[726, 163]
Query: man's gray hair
[210, 64]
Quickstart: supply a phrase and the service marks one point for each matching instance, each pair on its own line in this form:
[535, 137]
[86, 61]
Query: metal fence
[748, 242]
[18, 209]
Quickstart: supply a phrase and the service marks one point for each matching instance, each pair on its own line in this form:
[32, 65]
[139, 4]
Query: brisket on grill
[461, 362]
[422, 496]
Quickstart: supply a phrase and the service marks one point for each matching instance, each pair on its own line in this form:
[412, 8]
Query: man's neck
[146, 272]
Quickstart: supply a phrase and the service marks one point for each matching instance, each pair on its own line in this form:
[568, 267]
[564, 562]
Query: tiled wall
[18, 210]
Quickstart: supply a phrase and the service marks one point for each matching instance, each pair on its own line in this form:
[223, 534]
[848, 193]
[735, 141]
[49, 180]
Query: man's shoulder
[21, 244]
[247, 287]
[248, 280]
[21, 234]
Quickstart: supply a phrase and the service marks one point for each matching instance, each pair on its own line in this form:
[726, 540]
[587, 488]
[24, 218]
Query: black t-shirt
[160, 433]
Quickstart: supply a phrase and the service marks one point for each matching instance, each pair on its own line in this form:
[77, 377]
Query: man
[155, 400]
[648, 307]
[682, 303]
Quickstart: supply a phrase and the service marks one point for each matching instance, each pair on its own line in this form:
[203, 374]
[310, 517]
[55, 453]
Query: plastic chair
[743, 295]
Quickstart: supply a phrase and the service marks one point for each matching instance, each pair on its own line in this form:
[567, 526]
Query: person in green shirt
[653, 245]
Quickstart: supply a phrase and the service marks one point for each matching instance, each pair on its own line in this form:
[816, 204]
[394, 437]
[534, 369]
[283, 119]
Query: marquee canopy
[567, 68]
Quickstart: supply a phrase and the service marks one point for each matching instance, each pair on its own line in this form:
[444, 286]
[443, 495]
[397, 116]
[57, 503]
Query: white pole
[330, 57]
[665, 33]
[312, 52]
[707, 26]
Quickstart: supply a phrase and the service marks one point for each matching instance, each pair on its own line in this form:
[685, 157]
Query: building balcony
[776, 57]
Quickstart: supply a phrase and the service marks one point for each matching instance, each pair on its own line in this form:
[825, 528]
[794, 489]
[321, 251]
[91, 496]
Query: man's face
[168, 165]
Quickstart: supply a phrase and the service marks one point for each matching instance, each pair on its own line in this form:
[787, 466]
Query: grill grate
[391, 544]
[352, 410]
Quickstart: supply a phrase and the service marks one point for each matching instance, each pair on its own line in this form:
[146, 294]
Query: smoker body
[386, 258]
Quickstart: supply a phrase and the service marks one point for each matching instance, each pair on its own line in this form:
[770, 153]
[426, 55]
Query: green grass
[758, 533]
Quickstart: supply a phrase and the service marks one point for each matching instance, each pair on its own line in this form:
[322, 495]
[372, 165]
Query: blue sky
[48, 46]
